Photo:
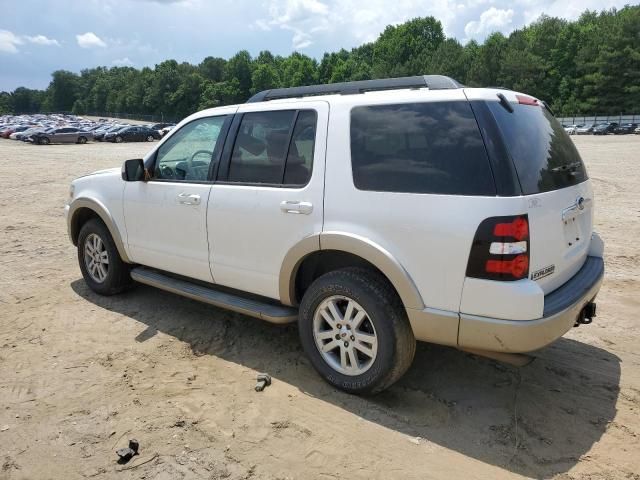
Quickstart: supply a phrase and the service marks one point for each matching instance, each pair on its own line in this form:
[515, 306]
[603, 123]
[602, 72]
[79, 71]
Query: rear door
[556, 187]
[269, 192]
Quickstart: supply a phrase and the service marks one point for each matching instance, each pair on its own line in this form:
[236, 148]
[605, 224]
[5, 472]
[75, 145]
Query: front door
[269, 192]
[166, 216]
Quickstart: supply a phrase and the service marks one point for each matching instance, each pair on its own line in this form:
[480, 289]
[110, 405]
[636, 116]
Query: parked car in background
[101, 132]
[132, 134]
[38, 131]
[604, 128]
[571, 129]
[24, 133]
[637, 131]
[584, 130]
[7, 131]
[17, 131]
[62, 135]
[625, 128]
[160, 126]
[166, 130]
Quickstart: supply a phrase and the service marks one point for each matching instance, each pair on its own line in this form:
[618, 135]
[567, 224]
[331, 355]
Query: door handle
[188, 199]
[295, 207]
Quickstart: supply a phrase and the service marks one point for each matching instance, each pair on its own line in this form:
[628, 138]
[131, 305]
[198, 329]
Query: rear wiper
[570, 167]
[505, 103]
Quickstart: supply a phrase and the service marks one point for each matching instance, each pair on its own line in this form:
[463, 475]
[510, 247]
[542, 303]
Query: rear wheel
[82, 140]
[118, 139]
[102, 268]
[150, 138]
[355, 330]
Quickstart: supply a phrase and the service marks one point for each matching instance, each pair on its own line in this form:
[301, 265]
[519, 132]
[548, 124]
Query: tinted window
[261, 147]
[300, 157]
[419, 148]
[543, 154]
[188, 153]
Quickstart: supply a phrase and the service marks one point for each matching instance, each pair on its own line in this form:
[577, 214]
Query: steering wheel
[195, 154]
[166, 171]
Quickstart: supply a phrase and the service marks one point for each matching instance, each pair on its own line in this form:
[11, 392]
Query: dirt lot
[80, 374]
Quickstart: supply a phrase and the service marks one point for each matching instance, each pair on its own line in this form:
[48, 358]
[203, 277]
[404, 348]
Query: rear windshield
[433, 147]
[544, 156]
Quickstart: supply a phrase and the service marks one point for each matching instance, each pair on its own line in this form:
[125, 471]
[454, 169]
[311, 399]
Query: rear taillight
[500, 249]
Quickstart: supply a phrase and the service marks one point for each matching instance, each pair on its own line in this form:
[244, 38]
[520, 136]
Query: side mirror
[133, 170]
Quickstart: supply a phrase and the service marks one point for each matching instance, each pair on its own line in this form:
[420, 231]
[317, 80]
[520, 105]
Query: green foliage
[591, 65]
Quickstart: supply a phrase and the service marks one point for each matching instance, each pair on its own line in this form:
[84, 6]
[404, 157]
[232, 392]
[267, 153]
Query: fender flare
[356, 245]
[106, 218]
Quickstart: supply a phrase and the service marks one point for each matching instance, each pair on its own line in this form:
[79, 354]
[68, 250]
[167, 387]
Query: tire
[115, 277]
[118, 139]
[44, 141]
[150, 138]
[82, 140]
[384, 317]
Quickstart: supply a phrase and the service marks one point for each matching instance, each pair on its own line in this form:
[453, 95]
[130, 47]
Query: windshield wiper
[569, 167]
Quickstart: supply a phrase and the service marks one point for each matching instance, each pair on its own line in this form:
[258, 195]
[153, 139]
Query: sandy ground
[81, 374]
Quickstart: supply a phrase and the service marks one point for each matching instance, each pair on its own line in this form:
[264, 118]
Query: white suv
[373, 213]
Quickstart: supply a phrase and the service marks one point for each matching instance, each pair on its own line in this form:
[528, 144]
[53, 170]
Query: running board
[248, 306]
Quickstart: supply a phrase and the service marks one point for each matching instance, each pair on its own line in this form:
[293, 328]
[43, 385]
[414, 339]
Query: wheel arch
[354, 250]
[82, 210]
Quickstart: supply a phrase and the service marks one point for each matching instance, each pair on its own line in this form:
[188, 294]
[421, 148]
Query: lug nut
[338, 326]
[346, 344]
[353, 338]
[337, 336]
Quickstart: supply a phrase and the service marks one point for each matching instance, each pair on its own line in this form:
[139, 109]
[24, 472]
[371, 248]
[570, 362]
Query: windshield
[544, 156]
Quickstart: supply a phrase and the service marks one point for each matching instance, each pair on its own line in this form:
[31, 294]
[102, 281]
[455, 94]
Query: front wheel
[44, 141]
[118, 139]
[150, 138]
[102, 268]
[82, 140]
[355, 330]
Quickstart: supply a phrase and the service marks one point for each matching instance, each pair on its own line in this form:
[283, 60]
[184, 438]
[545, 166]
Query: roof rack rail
[432, 82]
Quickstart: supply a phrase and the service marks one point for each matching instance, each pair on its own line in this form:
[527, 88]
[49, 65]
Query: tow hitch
[586, 315]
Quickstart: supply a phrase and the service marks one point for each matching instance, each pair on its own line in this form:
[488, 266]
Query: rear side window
[544, 156]
[300, 157]
[431, 147]
[261, 146]
[274, 148]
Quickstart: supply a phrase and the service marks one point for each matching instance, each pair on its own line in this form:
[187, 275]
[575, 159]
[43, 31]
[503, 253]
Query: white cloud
[491, 20]
[351, 19]
[122, 62]
[90, 40]
[298, 16]
[41, 40]
[9, 42]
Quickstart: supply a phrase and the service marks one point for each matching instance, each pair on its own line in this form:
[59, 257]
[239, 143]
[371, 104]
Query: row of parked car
[603, 128]
[43, 129]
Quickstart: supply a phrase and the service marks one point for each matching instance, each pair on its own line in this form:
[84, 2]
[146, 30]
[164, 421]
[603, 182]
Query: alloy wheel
[96, 258]
[345, 335]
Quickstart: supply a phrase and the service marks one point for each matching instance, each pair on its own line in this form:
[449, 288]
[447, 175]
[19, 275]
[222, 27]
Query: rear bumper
[561, 310]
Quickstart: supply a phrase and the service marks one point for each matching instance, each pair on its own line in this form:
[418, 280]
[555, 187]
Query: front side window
[431, 147]
[188, 153]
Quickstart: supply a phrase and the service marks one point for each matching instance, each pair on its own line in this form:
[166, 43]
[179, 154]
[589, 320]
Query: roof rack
[432, 82]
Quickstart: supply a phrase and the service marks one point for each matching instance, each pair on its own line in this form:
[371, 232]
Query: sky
[40, 36]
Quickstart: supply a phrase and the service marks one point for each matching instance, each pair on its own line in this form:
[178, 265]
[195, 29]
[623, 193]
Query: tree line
[591, 65]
